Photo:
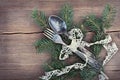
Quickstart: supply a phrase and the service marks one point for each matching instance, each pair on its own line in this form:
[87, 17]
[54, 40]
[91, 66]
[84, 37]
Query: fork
[57, 39]
[53, 36]
[91, 61]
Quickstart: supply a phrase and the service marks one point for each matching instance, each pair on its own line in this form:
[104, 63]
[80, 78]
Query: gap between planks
[12, 33]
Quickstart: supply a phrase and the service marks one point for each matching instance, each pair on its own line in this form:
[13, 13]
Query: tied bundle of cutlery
[78, 47]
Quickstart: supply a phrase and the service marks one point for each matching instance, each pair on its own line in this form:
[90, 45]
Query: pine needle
[87, 74]
[93, 23]
[95, 49]
[108, 16]
[40, 18]
[45, 44]
[66, 13]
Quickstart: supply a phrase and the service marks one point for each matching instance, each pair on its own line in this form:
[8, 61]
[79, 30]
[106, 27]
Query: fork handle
[94, 63]
[91, 61]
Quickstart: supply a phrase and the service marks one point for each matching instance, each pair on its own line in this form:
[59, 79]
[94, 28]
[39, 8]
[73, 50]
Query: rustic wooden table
[18, 32]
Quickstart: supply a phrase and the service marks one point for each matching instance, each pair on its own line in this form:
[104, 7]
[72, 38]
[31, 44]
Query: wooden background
[18, 32]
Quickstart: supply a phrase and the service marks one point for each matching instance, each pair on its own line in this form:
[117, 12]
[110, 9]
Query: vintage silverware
[58, 25]
[57, 39]
[91, 61]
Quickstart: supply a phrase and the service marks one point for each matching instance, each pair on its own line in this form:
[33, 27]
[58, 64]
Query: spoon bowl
[57, 24]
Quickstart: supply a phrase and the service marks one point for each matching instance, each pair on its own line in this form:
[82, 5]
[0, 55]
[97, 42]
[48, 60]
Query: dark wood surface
[18, 32]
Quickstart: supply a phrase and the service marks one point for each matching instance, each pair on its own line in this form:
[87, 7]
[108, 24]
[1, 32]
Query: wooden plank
[18, 58]
[19, 61]
[15, 15]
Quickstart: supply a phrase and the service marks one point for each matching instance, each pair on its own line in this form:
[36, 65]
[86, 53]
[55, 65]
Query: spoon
[58, 25]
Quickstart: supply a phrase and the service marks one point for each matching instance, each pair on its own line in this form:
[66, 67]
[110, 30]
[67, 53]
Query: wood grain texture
[18, 57]
[18, 32]
[15, 15]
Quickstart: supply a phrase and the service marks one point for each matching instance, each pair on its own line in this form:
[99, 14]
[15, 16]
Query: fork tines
[49, 33]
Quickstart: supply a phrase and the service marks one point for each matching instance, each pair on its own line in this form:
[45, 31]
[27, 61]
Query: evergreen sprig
[88, 73]
[98, 24]
[91, 22]
[94, 24]
[45, 44]
[108, 16]
[40, 18]
[66, 13]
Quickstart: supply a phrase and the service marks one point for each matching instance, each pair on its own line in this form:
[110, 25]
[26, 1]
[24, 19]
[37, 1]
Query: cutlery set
[77, 47]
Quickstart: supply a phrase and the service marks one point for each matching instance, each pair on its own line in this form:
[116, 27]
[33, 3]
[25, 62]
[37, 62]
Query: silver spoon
[58, 25]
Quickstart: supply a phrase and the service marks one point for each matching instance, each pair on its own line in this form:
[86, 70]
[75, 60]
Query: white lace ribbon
[111, 51]
[77, 42]
[65, 52]
[65, 70]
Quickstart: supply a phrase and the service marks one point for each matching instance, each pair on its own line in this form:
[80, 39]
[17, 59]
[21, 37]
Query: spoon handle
[66, 34]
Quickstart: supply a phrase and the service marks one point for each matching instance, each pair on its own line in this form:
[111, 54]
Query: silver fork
[57, 39]
[53, 36]
[91, 61]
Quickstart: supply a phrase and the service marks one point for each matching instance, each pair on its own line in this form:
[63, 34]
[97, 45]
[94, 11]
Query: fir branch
[40, 18]
[83, 29]
[95, 49]
[66, 13]
[53, 64]
[45, 44]
[108, 16]
[88, 73]
[93, 23]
